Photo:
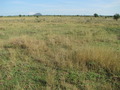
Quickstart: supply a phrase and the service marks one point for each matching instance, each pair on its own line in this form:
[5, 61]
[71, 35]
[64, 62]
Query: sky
[59, 7]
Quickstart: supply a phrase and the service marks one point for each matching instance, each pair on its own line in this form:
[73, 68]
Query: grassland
[59, 53]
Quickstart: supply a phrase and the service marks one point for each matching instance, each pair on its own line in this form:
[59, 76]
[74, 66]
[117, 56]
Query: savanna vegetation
[59, 53]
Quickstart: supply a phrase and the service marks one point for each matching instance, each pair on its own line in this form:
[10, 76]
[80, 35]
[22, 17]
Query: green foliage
[20, 15]
[37, 16]
[116, 16]
[96, 15]
[76, 79]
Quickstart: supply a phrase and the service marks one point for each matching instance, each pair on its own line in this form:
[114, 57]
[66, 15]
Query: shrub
[116, 16]
[20, 15]
[96, 15]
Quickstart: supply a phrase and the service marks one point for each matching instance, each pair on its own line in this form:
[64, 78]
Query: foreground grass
[59, 53]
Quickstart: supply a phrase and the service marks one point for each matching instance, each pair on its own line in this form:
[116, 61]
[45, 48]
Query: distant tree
[37, 16]
[96, 15]
[106, 16]
[116, 16]
[20, 15]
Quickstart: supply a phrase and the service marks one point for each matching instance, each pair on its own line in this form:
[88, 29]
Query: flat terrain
[59, 53]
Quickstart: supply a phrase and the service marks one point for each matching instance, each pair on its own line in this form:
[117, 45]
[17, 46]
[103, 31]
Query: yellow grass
[56, 52]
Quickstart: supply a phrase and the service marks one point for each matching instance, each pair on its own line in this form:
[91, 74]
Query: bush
[116, 16]
[20, 15]
[96, 15]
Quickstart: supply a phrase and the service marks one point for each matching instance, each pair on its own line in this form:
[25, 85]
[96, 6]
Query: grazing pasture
[59, 53]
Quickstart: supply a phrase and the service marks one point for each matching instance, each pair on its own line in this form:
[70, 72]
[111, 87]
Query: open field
[59, 53]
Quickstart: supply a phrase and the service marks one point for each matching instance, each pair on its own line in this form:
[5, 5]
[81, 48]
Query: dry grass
[59, 53]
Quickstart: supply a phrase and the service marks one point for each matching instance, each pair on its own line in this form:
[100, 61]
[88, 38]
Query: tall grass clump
[29, 46]
[96, 58]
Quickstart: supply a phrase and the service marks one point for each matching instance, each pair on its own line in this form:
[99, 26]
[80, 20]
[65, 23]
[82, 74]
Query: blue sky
[59, 7]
